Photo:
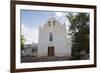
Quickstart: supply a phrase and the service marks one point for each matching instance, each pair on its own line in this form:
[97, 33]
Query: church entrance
[50, 51]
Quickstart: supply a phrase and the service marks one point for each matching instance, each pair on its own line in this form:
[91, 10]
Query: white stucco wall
[60, 43]
[28, 52]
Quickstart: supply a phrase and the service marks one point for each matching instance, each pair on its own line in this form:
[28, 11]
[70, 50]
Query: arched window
[51, 37]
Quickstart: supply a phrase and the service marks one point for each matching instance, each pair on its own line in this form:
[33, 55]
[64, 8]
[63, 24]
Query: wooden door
[50, 51]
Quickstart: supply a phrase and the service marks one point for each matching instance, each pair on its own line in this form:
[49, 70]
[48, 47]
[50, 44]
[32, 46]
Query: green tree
[79, 31]
[22, 42]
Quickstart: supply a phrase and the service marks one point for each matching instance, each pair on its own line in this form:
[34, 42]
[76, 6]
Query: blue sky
[32, 19]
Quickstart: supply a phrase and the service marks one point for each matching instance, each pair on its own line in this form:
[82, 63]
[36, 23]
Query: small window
[54, 23]
[32, 50]
[51, 37]
[49, 23]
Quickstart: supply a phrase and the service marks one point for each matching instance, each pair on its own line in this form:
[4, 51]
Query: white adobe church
[53, 40]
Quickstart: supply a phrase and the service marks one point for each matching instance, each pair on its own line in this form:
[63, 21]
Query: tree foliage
[22, 42]
[79, 31]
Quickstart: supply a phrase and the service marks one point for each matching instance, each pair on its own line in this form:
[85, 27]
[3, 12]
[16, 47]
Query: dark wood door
[50, 51]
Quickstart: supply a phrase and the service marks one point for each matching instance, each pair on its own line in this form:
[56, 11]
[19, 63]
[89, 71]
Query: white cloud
[59, 14]
[31, 35]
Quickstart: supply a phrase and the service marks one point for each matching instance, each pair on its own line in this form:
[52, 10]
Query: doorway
[50, 51]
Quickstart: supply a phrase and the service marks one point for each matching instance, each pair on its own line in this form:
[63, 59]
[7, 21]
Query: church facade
[53, 40]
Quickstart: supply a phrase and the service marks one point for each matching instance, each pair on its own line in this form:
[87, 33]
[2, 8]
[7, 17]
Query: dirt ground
[43, 59]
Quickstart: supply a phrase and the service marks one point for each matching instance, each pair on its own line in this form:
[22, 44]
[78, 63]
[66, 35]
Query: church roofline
[53, 17]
